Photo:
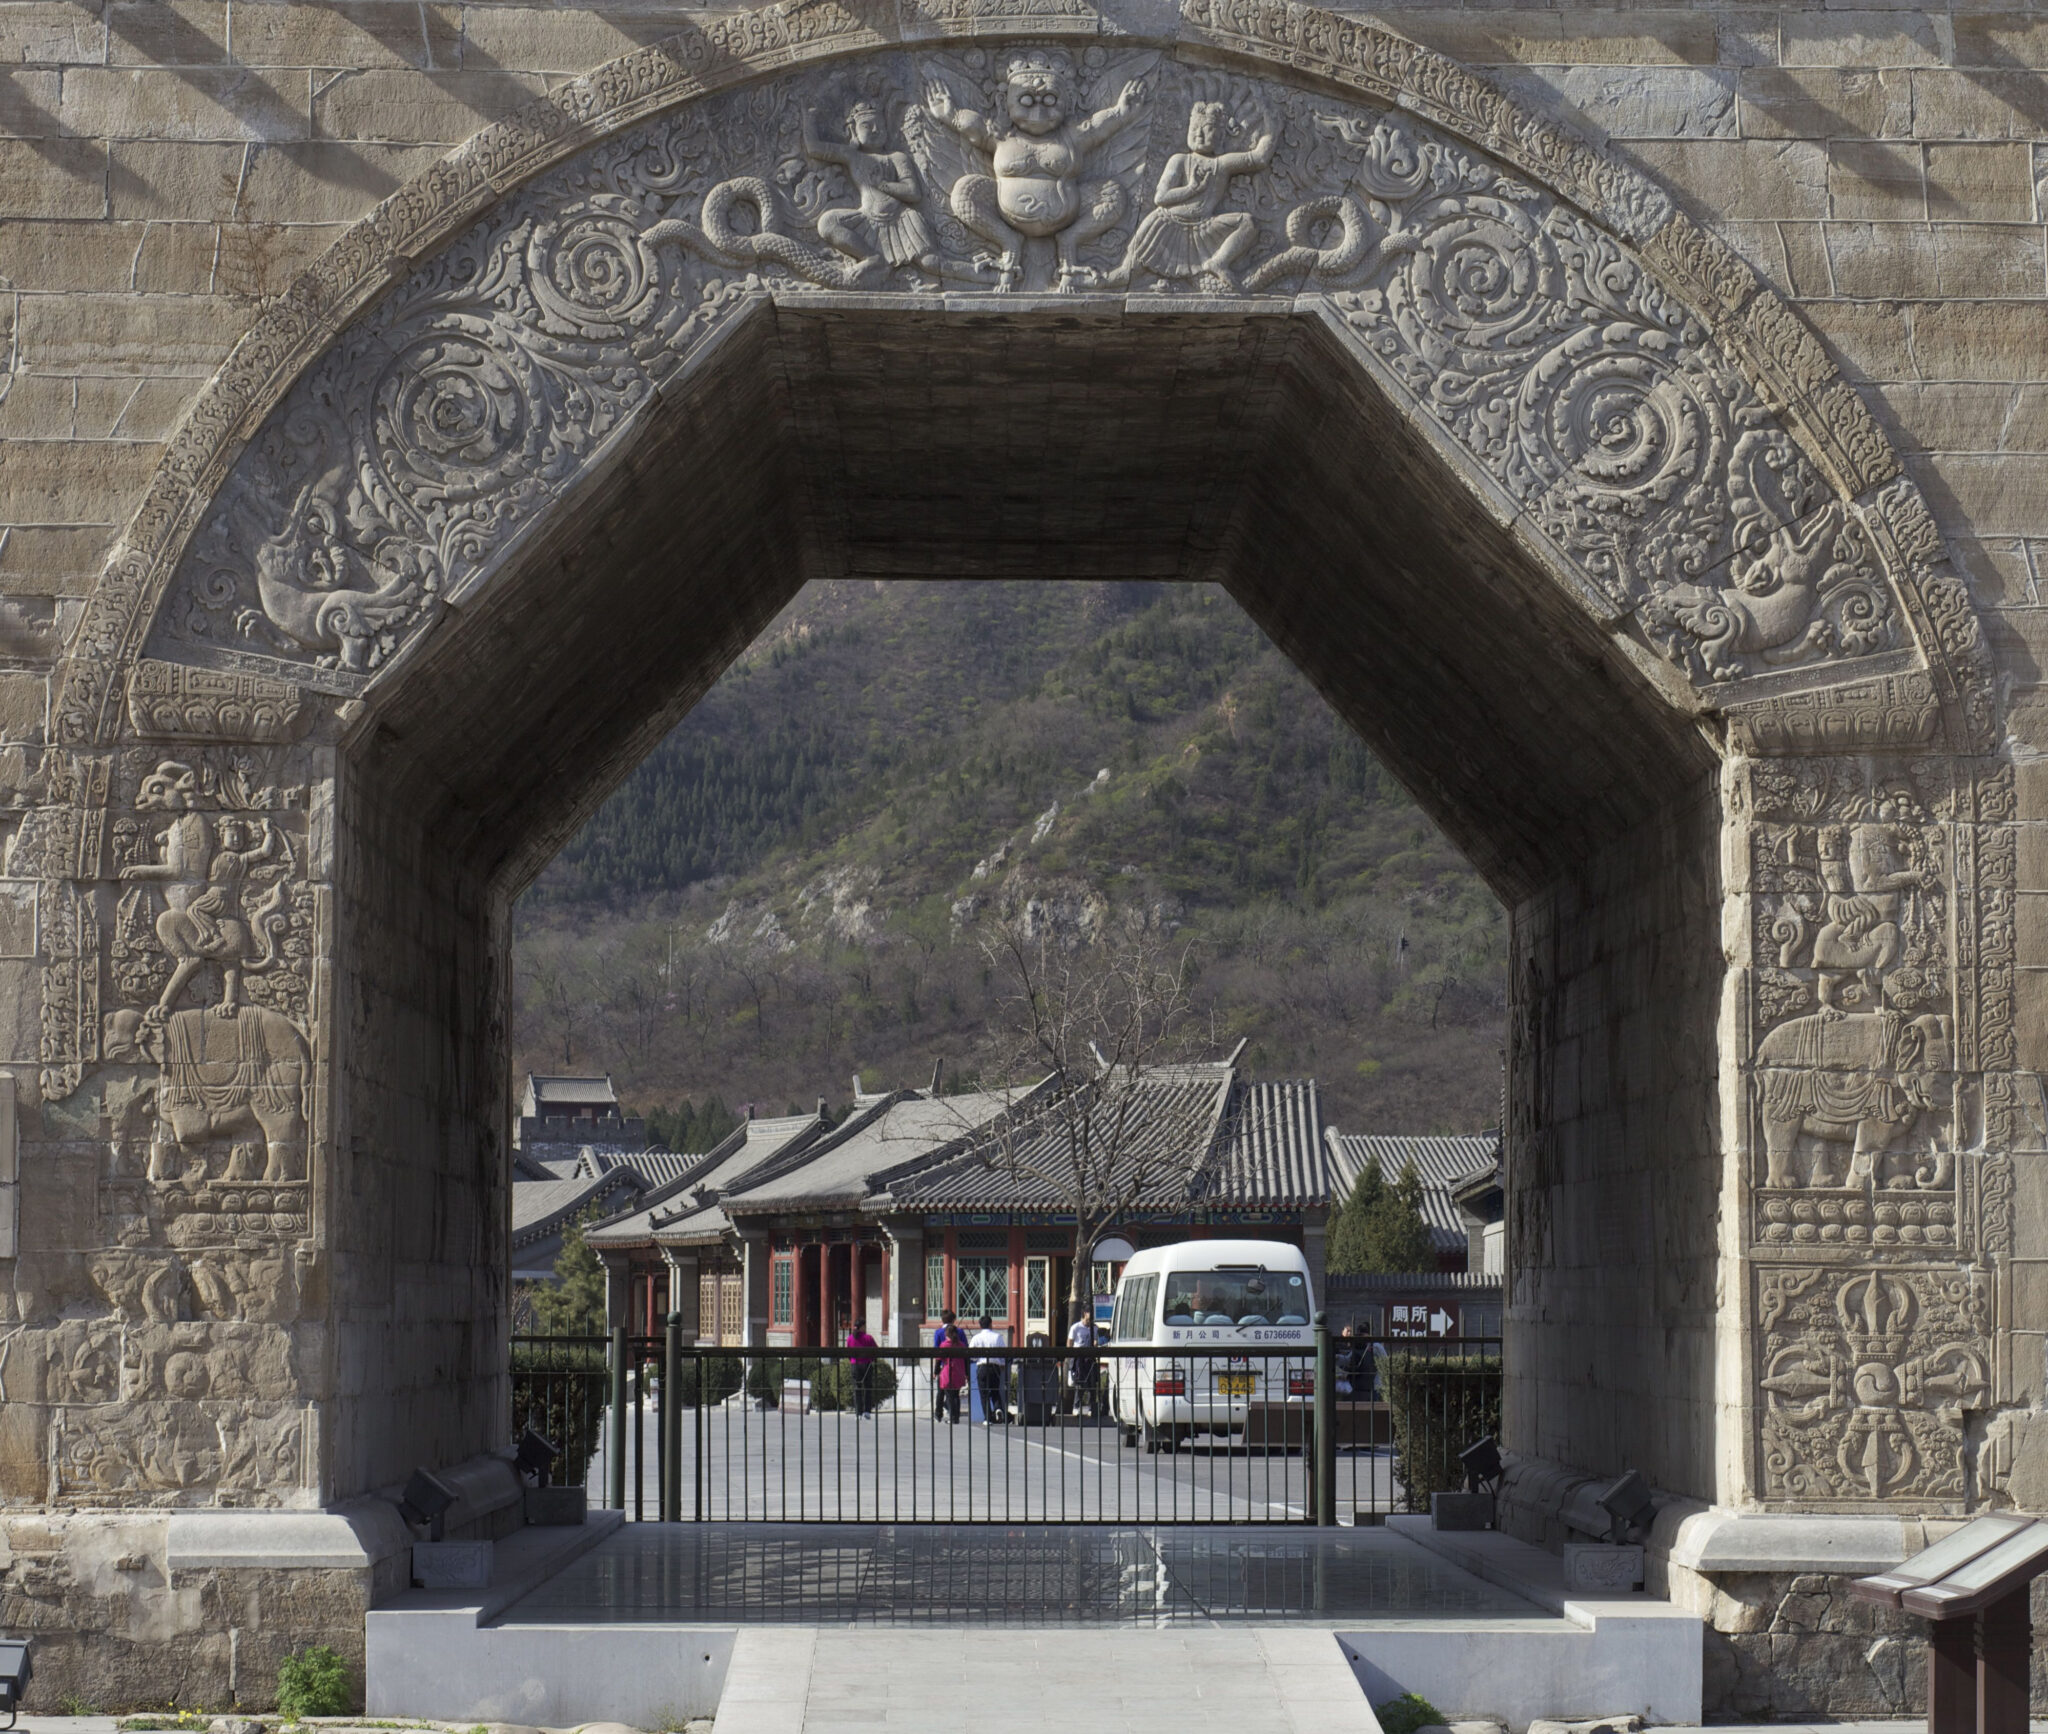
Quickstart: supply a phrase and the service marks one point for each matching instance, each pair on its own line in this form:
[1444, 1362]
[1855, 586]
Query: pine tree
[1345, 1249]
[574, 1305]
[1380, 1227]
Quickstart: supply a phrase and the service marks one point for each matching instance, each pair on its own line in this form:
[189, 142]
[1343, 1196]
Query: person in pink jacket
[949, 1369]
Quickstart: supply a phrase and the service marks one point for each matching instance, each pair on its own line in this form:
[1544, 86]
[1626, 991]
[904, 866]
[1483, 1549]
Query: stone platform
[658, 1621]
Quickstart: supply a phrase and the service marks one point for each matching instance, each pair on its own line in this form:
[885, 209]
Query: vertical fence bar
[1323, 1507]
[672, 1422]
[615, 1454]
[699, 1431]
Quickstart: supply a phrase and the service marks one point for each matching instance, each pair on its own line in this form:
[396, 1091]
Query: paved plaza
[901, 1467]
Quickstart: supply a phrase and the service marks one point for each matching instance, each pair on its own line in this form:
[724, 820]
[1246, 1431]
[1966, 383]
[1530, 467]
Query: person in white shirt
[990, 1375]
[1084, 1382]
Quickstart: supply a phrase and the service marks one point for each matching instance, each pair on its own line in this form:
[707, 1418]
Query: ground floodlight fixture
[15, 1674]
[1629, 1504]
[426, 1499]
[535, 1455]
[1483, 1467]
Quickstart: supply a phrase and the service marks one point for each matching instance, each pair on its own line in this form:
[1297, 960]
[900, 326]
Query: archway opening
[1057, 440]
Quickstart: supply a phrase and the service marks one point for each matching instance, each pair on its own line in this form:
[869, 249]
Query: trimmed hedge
[1440, 1403]
[832, 1387]
[720, 1376]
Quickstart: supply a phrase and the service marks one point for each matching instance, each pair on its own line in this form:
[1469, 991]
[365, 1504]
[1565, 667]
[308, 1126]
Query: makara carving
[400, 468]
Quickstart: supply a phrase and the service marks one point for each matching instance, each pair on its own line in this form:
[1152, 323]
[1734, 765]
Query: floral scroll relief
[399, 469]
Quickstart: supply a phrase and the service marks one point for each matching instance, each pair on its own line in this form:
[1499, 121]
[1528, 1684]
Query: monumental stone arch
[1567, 513]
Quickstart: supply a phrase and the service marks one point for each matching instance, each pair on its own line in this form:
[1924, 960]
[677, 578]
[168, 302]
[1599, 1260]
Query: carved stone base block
[1601, 1567]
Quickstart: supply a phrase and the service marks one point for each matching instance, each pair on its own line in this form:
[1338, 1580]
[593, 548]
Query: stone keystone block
[1602, 1566]
[438, 1565]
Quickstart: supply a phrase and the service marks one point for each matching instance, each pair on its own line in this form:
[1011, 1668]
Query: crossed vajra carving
[1869, 1376]
[397, 470]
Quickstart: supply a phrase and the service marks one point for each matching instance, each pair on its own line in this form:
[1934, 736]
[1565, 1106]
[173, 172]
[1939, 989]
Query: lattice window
[934, 1283]
[984, 1287]
[1035, 1285]
[782, 1292]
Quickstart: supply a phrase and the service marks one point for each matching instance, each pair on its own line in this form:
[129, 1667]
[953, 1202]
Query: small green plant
[312, 1682]
[1405, 1714]
[71, 1704]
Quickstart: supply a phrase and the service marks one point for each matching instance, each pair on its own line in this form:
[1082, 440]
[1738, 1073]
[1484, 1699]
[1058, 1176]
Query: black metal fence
[1147, 1434]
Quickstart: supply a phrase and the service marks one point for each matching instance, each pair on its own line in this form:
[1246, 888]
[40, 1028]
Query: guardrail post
[615, 1455]
[672, 1422]
[1323, 1503]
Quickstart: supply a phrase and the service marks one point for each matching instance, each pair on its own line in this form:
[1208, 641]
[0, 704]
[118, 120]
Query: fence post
[672, 1423]
[615, 1454]
[1323, 1503]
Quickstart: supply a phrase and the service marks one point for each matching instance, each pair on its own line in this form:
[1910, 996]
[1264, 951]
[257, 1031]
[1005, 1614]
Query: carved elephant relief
[1861, 1079]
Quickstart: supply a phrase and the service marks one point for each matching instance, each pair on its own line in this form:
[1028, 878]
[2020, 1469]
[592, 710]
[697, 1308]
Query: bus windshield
[1235, 1297]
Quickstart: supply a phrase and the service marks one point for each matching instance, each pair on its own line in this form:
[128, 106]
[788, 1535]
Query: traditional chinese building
[920, 1201]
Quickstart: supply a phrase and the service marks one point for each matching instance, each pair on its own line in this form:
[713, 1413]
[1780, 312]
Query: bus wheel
[1130, 1438]
[1151, 1440]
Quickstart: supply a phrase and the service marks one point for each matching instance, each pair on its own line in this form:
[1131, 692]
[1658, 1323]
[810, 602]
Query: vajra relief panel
[1879, 996]
[183, 899]
[401, 467]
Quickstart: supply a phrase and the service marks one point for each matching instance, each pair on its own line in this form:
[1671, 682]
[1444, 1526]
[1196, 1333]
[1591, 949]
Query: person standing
[862, 1361]
[949, 1370]
[1083, 1368]
[989, 1373]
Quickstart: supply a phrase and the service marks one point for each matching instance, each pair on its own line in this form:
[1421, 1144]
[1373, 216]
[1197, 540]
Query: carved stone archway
[1567, 513]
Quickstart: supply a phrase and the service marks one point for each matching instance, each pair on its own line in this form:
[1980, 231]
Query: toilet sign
[1420, 1319]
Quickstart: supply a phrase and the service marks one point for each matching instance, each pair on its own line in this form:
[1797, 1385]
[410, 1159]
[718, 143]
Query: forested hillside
[794, 885]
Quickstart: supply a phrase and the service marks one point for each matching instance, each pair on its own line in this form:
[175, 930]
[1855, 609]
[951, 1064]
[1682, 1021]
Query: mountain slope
[792, 885]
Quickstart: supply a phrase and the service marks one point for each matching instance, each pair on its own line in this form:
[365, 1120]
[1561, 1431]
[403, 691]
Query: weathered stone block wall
[1613, 1323]
[421, 1205]
[205, 1304]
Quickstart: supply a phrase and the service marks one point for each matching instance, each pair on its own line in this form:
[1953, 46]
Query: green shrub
[1405, 1714]
[765, 1377]
[1439, 1404]
[832, 1387]
[313, 1682]
[720, 1376]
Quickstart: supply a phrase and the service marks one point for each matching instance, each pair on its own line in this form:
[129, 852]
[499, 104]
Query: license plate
[1236, 1384]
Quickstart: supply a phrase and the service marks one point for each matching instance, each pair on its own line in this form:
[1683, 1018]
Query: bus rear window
[1236, 1297]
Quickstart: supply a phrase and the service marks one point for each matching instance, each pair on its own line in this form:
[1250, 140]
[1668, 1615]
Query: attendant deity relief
[887, 224]
[1188, 234]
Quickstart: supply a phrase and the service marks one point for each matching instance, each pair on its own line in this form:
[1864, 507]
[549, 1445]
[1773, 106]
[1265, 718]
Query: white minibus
[1223, 1319]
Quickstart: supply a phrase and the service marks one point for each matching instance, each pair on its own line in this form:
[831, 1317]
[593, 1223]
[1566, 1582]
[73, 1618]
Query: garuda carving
[399, 469]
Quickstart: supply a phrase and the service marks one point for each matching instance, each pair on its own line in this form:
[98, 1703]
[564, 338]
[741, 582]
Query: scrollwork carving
[400, 468]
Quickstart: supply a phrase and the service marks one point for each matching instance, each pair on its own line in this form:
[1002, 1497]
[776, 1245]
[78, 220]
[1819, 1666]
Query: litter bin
[1037, 1387]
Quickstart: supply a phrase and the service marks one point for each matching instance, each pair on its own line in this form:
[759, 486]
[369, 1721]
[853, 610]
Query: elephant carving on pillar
[1855, 1078]
[228, 1073]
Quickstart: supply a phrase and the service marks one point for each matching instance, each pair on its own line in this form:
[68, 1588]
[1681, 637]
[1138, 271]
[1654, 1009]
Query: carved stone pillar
[682, 1288]
[906, 1281]
[754, 1264]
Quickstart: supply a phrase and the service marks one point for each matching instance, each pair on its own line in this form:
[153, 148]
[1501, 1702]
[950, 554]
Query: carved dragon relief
[398, 469]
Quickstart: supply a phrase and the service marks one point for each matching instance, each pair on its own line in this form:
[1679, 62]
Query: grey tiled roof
[1195, 1138]
[681, 1209]
[656, 1167]
[1439, 1161]
[541, 1207]
[564, 1092]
